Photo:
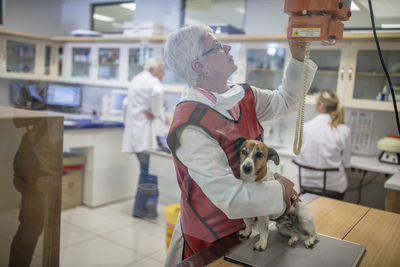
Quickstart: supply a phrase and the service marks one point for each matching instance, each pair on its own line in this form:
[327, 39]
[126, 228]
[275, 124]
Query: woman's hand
[289, 193]
[297, 49]
[149, 114]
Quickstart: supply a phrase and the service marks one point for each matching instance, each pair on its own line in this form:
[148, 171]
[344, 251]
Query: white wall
[76, 13]
[33, 16]
[262, 16]
[60, 17]
[265, 17]
[164, 12]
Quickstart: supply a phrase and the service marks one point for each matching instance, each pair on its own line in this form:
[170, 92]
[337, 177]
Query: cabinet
[106, 64]
[30, 187]
[28, 58]
[51, 60]
[19, 57]
[137, 56]
[365, 77]
[351, 67]
[99, 63]
[331, 62]
[78, 62]
[265, 64]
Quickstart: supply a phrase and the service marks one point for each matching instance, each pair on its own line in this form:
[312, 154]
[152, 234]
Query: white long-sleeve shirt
[324, 147]
[145, 93]
[207, 162]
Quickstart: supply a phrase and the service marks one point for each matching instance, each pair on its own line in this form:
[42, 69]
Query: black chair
[315, 190]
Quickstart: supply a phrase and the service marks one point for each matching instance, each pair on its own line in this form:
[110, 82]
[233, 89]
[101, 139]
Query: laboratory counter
[85, 123]
[378, 231]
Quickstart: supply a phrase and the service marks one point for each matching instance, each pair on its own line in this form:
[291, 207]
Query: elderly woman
[209, 120]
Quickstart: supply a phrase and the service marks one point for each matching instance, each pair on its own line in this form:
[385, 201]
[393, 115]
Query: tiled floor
[110, 236]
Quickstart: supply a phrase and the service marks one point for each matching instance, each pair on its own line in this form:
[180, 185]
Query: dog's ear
[273, 155]
[238, 143]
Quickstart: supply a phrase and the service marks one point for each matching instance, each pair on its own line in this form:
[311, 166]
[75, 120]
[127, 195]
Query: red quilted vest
[201, 221]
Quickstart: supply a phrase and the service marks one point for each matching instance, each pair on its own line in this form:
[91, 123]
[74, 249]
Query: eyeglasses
[217, 47]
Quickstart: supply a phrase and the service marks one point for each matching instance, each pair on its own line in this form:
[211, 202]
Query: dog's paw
[309, 242]
[260, 246]
[244, 234]
[293, 240]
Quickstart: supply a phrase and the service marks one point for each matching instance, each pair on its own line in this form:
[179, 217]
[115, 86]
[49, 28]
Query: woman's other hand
[297, 49]
[149, 115]
[289, 191]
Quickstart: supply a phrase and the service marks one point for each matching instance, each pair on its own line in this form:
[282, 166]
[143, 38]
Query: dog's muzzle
[247, 168]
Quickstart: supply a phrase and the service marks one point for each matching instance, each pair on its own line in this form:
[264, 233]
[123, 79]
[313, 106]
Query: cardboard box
[73, 166]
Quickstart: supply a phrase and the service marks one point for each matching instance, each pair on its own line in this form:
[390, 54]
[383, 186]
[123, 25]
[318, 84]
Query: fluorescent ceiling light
[354, 7]
[390, 26]
[130, 6]
[102, 17]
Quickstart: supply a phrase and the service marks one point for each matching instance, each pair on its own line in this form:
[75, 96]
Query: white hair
[152, 63]
[182, 47]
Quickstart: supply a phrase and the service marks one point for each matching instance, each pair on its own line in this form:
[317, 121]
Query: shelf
[377, 74]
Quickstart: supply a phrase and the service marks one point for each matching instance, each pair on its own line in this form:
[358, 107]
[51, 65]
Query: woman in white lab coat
[144, 109]
[326, 145]
[212, 116]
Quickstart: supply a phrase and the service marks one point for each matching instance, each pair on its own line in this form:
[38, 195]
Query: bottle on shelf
[382, 96]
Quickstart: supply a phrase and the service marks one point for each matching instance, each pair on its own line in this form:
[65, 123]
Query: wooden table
[378, 230]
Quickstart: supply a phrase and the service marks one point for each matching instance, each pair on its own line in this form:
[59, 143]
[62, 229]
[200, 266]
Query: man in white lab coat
[143, 108]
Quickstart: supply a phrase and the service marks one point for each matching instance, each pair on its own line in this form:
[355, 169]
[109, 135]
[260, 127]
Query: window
[110, 17]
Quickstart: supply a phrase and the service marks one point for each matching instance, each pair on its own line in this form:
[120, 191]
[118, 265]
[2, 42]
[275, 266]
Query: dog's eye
[244, 152]
[259, 155]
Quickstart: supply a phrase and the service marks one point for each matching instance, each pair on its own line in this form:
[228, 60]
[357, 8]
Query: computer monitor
[116, 101]
[64, 95]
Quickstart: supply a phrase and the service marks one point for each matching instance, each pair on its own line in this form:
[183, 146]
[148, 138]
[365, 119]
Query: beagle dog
[297, 223]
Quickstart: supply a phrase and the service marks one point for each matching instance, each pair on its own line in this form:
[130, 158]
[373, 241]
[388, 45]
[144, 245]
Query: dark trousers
[147, 191]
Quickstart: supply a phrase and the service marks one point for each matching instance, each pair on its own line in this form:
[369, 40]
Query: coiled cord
[298, 137]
